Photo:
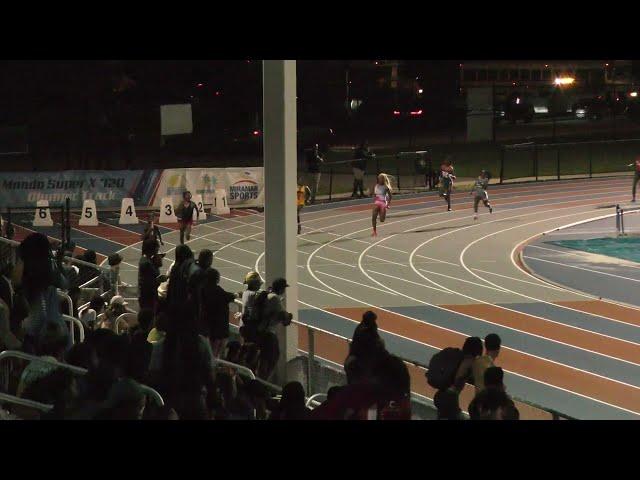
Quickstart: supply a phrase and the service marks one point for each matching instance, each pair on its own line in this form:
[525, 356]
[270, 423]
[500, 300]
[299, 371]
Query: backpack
[253, 319]
[443, 367]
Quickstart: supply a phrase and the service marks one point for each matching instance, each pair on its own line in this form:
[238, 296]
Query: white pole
[280, 172]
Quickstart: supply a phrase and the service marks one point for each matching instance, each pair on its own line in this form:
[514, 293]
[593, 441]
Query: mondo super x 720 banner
[244, 186]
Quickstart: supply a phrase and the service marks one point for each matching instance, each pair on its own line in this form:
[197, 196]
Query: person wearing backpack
[452, 367]
[270, 312]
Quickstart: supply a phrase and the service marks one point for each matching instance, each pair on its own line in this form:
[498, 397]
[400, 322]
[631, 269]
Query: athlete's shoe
[633, 200]
[448, 209]
[375, 233]
[490, 209]
[475, 216]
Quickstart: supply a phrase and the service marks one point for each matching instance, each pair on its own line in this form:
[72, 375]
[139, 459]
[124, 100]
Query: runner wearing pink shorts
[382, 200]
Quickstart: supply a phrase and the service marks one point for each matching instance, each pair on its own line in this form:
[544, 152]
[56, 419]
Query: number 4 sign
[128, 213]
[89, 214]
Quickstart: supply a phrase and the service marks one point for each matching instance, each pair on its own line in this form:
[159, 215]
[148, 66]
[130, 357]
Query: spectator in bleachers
[214, 310]
[149, 278]
[126, 401]
[182, 367]
[365, 348]
[253, 281]
[178, 292]
[494, 378]
[393, 385]
[57, 388]
[90, 314]
[51, 347]
[196, 280]
[8, 340]
[140, 349]
[493, 404]
[86, 273]
[80, 355]
[447, 403]
[492, 344]
[292, 404]
[117, 306]
[472, 349]
[272, 315]
[39, 274]
[159, 329]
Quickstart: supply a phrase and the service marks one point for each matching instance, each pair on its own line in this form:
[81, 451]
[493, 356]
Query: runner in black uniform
[184, 212]
[480, 192]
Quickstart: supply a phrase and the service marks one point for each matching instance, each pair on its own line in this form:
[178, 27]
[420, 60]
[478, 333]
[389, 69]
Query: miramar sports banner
[244, 186]
[107, 188]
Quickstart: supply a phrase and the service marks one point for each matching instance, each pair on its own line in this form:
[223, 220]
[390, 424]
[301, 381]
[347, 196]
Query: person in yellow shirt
[303, 194]
[492, 343]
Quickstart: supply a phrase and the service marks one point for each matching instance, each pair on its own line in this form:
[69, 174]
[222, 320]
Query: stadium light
[633, 94]
[564, 80]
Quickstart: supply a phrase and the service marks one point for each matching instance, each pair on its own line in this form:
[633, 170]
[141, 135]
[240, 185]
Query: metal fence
[556, 161]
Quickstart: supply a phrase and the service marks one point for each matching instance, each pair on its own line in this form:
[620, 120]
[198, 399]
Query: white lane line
[501, 290]
[552, 287]
[356, 283]
[408, 281]
[535, 380]
[584, 269]
[576, 254]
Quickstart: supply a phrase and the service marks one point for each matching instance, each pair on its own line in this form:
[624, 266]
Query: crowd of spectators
[179, 343]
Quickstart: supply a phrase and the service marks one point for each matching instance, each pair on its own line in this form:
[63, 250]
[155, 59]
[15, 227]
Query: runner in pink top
[382, 200]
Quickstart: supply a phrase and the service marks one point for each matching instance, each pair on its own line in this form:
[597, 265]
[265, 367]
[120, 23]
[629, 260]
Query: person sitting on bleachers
[52, 347]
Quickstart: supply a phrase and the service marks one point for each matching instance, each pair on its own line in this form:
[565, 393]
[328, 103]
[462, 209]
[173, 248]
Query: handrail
[241, 368]
[122, 318]
[78, 370]
[314, 399]
[74, 321]
[65, 297]
[24, 402]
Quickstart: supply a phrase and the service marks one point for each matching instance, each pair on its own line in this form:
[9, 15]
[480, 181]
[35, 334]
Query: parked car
[590, 108]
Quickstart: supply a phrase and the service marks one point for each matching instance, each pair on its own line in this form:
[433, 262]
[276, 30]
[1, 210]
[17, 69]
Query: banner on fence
[244, 186]
[107, 188]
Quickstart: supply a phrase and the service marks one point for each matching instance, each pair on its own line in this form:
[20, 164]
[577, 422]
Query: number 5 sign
[167, 211]
[89, 214]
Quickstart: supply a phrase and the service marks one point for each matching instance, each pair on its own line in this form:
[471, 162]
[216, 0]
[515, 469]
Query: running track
[436, 277]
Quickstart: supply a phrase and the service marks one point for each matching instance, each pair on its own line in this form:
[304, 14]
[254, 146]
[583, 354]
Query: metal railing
[23, 402]
[410, 171]
[322, 346]
[555, 161]
[12, 354]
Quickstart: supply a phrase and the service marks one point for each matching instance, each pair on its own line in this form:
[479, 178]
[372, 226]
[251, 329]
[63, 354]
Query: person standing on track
[636, 177]
[303, 193]
[381, 200]
[151, 229]
[184, 212]
[480, 192]
[359, 164]
[314, 162]
[446, 181]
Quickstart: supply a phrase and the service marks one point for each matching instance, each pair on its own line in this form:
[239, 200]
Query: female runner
[382, 200]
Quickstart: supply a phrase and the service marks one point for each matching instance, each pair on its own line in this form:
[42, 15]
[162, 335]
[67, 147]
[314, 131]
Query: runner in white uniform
[381, 200]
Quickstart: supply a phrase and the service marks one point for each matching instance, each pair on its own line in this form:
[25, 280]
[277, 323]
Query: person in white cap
[117, 306]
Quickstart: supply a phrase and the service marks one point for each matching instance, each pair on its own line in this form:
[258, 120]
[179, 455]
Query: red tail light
[416, 112]
[396, 112]
[256, 132]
